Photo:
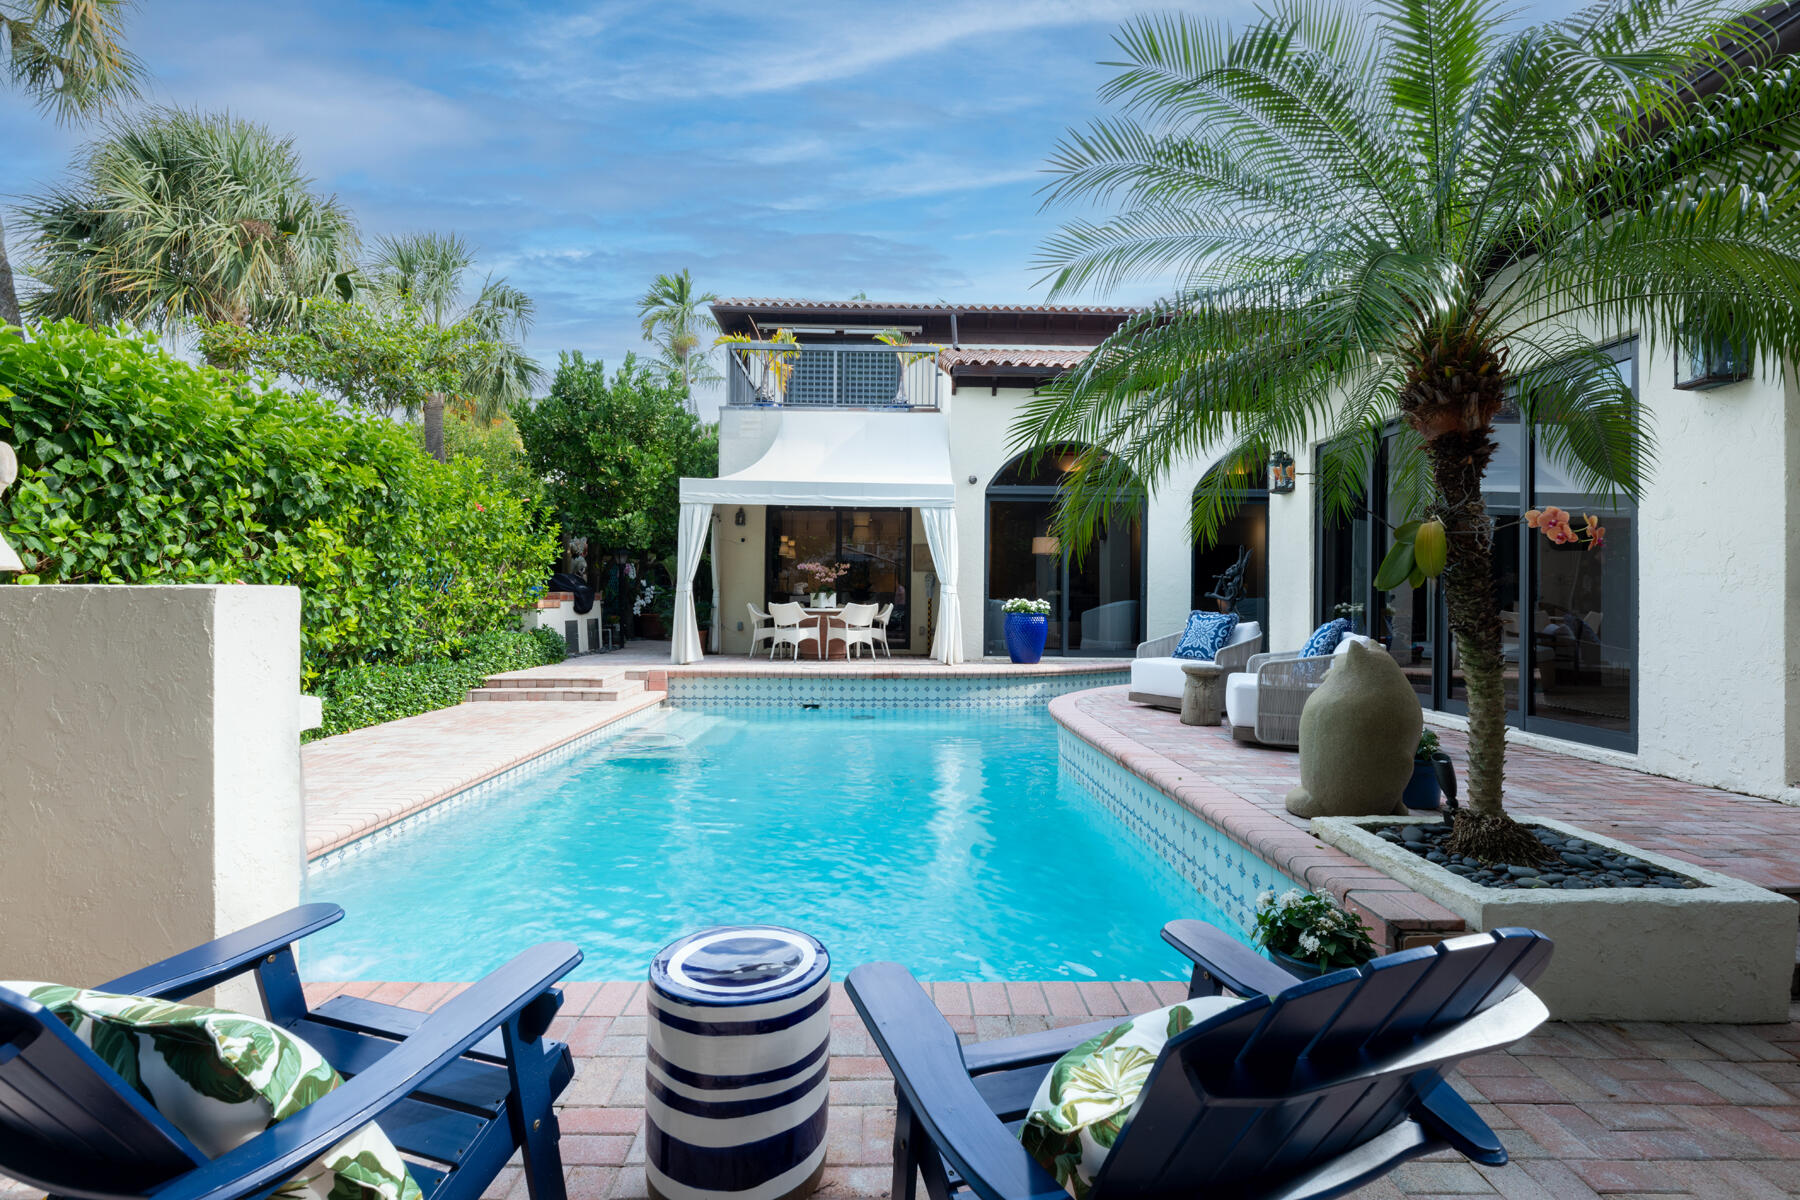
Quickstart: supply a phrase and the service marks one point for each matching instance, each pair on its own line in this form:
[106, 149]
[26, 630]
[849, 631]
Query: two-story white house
[894, 461]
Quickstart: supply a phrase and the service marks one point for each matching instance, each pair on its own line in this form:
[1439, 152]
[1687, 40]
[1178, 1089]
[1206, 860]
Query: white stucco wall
[150, 784]
[1718, 597]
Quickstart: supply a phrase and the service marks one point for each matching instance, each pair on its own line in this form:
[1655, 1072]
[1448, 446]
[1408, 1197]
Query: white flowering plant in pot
[1311, 929]
[1035, 608]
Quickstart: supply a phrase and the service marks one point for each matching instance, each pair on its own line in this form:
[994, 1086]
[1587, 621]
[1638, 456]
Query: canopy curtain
[696, 521]
[717, 624]
[940, 535]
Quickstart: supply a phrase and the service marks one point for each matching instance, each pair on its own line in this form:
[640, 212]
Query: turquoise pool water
[950, 842]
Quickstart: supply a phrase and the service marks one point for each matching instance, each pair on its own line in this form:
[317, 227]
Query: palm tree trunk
[9, 296]
[1458, 462]
[434, 427]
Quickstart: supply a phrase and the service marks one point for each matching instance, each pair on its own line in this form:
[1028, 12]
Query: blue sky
[790, 149]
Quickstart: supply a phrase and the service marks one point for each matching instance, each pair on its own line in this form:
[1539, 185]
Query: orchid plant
[821, 575]
[1554, 523]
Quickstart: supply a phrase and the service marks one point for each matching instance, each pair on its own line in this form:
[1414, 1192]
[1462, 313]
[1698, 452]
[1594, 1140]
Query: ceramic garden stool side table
[1203, 697]
[738, 1074]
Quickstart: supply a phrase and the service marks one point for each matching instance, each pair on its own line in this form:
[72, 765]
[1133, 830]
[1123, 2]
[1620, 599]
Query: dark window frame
[1518, 709]
[899, 635]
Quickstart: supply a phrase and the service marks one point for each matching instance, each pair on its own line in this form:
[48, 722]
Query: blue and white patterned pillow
[1205, 635]
[1325, 638]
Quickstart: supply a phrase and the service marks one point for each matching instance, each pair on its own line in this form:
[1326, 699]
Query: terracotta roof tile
[1059, 359]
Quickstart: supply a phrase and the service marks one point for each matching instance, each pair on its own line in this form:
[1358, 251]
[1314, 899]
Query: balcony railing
[782, 374]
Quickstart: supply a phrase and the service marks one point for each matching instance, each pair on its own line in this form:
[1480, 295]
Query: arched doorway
[1096, 601]
[1238, 560]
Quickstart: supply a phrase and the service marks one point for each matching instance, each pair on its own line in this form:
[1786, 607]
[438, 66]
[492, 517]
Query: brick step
[590, 694]
[613, 680]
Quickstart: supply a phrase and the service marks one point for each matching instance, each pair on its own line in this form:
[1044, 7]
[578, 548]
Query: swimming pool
[948, 841]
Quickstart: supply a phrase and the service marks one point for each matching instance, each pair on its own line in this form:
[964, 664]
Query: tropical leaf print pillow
[1083, 1104]
[222, 1078]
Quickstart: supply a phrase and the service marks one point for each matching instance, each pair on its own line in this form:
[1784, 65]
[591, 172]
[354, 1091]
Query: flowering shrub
[822, 575]
[1555, 524]
[1313, 929]
[1037, 608]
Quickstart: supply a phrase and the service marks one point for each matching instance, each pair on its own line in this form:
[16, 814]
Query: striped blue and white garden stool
[739, 1067]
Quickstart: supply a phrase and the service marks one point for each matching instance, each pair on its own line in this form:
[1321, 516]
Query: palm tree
[430, 271]
[68, 56]
[674, 320]
[1418, 217]
[179, 217]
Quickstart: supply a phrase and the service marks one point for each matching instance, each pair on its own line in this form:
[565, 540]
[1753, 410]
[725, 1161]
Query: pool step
[604, 689]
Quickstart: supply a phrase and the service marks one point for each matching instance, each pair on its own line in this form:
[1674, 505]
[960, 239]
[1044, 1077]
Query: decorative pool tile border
[1221, 870]
[953, 692]
[1210, 794]
[489, 787]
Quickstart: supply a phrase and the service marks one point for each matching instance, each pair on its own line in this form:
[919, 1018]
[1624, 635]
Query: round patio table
[738, 1077]
[822, 618]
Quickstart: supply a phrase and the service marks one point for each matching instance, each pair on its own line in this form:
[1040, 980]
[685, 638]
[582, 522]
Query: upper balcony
[796, 375]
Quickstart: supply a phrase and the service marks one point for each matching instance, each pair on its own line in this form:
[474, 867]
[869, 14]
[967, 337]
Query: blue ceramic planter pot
[1422, 790]
[1025, 636]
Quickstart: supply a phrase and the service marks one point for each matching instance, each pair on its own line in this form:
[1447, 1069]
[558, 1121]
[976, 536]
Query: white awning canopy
[826, 459]
[831, 459]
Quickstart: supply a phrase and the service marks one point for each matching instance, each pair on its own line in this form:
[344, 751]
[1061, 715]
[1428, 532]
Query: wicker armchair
[1263, 702]
[1156, 677]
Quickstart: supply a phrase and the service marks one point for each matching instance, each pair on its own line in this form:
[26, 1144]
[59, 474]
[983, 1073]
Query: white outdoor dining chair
[881, 626]
[858, 629]
[790, 628]
[760, 630]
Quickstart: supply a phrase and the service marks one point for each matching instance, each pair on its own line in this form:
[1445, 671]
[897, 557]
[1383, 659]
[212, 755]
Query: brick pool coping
[1241, 789]
[1585, 1110]
[1247, 807]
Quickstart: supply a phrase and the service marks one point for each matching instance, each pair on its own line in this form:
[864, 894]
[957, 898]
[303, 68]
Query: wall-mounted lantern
[739, 519]
[1281, 473]
[1703, 363]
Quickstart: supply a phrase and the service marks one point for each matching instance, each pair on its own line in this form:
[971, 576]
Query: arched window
[1096, 600]
[1232, 574]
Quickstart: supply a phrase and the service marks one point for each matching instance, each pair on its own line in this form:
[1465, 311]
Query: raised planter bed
[1722, 952]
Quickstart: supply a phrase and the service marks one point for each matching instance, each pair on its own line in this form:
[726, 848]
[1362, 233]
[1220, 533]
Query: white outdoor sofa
[1263, 701]
[1156, 677]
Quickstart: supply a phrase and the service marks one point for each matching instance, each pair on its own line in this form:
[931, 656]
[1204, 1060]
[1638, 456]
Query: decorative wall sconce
[1281, 473]
[739, 519]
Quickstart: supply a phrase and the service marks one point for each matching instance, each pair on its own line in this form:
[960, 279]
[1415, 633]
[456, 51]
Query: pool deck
[1241, 789]
[1585, 1110]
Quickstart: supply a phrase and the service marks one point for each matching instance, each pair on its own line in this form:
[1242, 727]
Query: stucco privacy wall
[1718, 618]
[151, 780]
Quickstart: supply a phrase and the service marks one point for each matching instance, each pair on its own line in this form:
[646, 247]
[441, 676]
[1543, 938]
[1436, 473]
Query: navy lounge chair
[463, 1087]
[1306, 1090]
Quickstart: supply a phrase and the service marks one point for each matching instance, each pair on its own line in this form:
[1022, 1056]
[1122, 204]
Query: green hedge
[369, 695]
[137, 467]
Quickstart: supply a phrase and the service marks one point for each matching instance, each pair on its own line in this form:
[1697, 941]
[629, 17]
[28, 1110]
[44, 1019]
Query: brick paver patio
[1590, 1109]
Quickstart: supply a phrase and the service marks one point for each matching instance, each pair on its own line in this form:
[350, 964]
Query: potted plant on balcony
[1309, 935]
[1027, 628]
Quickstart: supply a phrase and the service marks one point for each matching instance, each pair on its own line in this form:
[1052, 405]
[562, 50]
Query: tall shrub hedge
[137, 467]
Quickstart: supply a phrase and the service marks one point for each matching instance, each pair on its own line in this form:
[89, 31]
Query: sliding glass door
[1568, 613]
[874, 544]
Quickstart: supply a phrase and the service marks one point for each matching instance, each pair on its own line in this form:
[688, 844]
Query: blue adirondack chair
[1303, 1091]
[463, 1087]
